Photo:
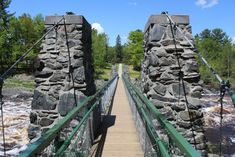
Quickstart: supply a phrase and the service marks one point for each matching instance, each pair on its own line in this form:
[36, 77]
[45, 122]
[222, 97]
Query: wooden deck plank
[121, 139]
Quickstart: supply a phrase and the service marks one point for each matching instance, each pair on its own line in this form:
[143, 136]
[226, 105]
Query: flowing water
[16, 120]
[16, 109]
[211, 110]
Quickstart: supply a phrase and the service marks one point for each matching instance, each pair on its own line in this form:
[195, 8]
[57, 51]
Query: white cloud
[207, 3]
[133, 3]
[98, 27]
[124, 39]
[233, 40]
[200, 2]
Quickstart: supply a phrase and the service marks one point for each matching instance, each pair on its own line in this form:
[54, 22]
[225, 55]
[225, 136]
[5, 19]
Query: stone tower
[160, 76]
[56, 85]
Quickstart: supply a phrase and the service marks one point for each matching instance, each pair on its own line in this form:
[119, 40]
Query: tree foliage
[216, 47]
[18, 34]
[99, 50]
[5, 35]
[110, 57]
[118, 50]
[134, 52]
[5, 15]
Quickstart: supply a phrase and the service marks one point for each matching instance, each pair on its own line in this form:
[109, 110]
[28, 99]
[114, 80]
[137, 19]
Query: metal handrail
[178, 139]
[9, 70]
[73, 133]
[39, 145]
[149, 125]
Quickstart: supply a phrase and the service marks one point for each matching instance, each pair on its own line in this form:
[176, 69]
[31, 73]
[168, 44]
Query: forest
[17, 34]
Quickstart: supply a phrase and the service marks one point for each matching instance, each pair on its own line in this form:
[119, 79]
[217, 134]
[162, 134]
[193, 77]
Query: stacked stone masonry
[54, 93]
[113, 71]
[160, 76]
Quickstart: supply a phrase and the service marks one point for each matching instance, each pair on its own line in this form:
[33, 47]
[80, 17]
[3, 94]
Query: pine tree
[216, 47]
[118, 50]
[5, 35]
[4, 14]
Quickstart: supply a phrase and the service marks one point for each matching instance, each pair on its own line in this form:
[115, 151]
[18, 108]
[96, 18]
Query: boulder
[156, 32]
[187, 115]
[166, 61]
[161, 52]
[54, 66]
[78, 62]
[167, 42]
[67, 101]
[78, 54]
[178, 90]
[57, 76]
[166, 76]
[188, 54]
[42, 101]
[154, 71]
[45, 121]
[159, 88]
[79, 75]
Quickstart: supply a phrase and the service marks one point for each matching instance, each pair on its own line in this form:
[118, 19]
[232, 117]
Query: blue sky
[122, 16]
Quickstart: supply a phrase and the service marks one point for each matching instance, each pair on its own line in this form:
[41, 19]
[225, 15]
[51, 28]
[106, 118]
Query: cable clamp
[181, 74]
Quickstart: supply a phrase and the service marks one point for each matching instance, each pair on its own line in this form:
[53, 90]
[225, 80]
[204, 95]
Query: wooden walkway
[121, 139]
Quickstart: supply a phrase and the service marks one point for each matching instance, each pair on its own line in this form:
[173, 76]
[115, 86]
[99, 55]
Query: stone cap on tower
[70, 19]
[162, 19]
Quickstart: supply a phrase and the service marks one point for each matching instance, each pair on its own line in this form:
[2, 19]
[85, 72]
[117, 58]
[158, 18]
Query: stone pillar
[54, 93]
[160, 76]
[126, 72]
[113, 71]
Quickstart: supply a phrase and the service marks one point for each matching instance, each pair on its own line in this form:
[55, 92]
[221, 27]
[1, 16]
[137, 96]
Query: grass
[133, 73]
[107, 71]
[16, 83]
[104, 73]
[117, 66]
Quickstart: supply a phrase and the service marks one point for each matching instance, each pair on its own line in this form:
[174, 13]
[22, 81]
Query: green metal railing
[144, 106]
[37, 147]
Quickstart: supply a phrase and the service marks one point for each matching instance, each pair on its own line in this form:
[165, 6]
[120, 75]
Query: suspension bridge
[160, 117]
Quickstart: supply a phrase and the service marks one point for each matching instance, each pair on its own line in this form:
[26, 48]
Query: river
[16, 109]
[211, 110]
[16, 120]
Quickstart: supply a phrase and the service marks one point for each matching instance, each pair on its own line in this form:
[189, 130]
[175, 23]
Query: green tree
[134, 51]
[29, 30]
[118, 50]
[99, 49]
[216, 47]
[20, 35]
[5, 34]
[5, 15]
[111, 56]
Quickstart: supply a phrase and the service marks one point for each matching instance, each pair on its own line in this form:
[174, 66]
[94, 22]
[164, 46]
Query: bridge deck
[122, 139]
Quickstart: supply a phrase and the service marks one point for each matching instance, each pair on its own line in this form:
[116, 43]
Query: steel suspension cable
[181, 75]
[194, 49]
[224, 85]
[8, 71]
[70, 64]
[221, 123]
[222, 93]
[3, 128]
[28, 51]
